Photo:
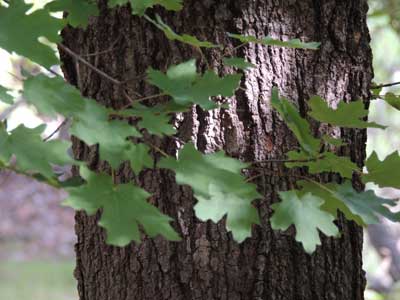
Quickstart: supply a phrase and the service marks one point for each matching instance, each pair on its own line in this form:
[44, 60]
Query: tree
[224, 86]
[207, 263]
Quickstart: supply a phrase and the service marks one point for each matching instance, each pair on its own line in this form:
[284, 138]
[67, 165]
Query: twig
[56, 130]
[88, 64]
[139, 99]
[10, 109]
[158, 149]
[385, 85]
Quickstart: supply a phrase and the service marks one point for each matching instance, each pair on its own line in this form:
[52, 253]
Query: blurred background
[36, 232]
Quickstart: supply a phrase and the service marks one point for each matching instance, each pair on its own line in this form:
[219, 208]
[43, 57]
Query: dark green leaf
[298, 125]
[326, 162]
[384, 173]
[139, 6]
[5, 96]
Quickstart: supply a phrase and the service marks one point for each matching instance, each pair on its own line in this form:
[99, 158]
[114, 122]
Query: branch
[88, 64]
[56, 130]
[385, 85]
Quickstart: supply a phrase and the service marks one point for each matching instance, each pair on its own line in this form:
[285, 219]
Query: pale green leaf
[268, 41]
[392, 99]
[304, 212]
[124, 208]
[93, 126]
[219, 188]
[348, 115]
[185, 86]
[19, 32]
[139, 157]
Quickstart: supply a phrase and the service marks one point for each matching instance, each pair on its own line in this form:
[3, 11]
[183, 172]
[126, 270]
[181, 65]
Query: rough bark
[208, 264]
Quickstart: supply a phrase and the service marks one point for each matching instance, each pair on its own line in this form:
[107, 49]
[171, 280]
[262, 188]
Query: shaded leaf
[5, 96]
[124, 208]
[184, 38]
[139, 6]
[268, 41]
[239, 63]
[298, 125]
[326, 162]
[384, 173]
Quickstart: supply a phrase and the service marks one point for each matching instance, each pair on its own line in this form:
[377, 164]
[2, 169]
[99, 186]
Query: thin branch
[56, 130]
[131, 101]
[157, 149]
[385, 85]
[10, 109]
[88, 64]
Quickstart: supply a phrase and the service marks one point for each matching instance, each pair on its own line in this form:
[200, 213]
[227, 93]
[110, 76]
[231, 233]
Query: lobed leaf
[384, 173]
[187, 87]
[219, 188]
[20, 32]
[124, 208]
[239, 63]
[31, 152]
[305, 213]
[326, 162]
[348, 115]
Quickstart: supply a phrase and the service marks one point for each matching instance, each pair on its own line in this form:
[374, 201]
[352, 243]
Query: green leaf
[52, 96]
[384, 173]
[239, 63]
[186, 87]
[392, 99]
[79, 11]
[139, 157]
[184, 38]
[304, 212]
[92, 125]
[348, 115]
[153, 119]
[31, 152]
[333, 141]
[268, 41]
[139, 6]
[219, 188]
[326, 162]
[20, 32]
[363, 208]
[5, 96]
[298, 125]
[124, 208]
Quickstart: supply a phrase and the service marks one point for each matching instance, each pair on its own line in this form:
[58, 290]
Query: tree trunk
[208, 264]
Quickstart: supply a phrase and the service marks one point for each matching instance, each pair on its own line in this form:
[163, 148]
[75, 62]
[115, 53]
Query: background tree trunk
[208, 264]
